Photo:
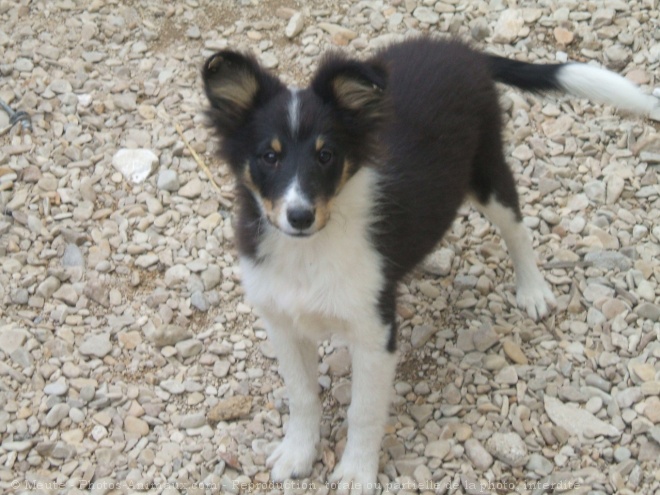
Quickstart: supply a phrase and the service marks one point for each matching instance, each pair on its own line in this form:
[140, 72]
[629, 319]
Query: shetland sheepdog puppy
[345, 185]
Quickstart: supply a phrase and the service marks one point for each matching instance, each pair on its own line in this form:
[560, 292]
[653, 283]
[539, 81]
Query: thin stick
[225, 202]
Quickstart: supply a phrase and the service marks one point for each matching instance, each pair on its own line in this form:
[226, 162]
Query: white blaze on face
[294, 198]
[294, 111]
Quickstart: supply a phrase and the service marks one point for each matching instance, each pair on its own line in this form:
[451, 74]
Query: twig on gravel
[566, 264]
[224, 201]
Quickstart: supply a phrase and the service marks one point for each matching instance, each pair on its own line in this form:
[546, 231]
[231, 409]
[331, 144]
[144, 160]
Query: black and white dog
[344, 186]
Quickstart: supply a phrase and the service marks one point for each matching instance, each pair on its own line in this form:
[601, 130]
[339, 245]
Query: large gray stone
[577, 421]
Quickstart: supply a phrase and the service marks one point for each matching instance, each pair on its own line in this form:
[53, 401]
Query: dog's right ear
[235, 85]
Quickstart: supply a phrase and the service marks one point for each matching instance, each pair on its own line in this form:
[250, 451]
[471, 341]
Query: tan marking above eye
[319, 143]
[276, 145]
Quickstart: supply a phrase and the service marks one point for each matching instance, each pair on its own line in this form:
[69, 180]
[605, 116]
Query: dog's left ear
[356, 89]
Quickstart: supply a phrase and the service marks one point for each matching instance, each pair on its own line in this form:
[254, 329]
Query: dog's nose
[300, 218]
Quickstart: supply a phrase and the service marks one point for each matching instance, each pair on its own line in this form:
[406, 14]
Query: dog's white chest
[334, 274]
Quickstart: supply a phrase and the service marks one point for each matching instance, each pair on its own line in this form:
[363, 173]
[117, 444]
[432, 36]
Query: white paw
[355, 475]
[292, 459]
[536, 298]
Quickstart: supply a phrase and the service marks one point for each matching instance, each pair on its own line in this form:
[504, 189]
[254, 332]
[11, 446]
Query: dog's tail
[585, 81]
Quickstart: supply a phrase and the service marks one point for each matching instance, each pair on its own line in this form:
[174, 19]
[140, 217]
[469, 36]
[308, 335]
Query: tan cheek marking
[319, 143]
[345, 175]
[324, 208]
[322, 214]
[276, 145]
[247, 179]
[273, 210]
[267, 204]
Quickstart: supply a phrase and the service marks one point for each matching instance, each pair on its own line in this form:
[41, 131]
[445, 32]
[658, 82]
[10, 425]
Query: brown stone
[563, 36]
[136, 426]
[514, 352]
[228, 409]
[652, 409]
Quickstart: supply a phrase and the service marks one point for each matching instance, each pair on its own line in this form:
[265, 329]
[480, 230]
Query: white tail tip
[607, 87]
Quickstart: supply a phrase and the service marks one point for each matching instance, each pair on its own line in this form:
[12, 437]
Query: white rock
[57, 413]
[421, 335]
[438, 448]
[191, 189]
[167, 335]
[508, 448]
[190, 347]
[135, 164]
[427, 15]
[168, 180]
[609, 260]
[96, 345]
[12, 338]
[477, 454]
[269, 60]
[342, 393]
[60, 387]
[193, 420]
[575, 420]
[295, 25]
[338, 31]
[146, 260]
[176, 275]
[173, 387]
[60, 86]
[595, 191]
[508, 26]
[539, 465]
[439, 262]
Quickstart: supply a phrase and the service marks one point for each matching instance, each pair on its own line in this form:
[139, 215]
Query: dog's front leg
[373, 374]
[298, 364]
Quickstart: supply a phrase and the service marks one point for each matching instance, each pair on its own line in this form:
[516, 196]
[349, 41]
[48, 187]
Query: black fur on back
[443, 142]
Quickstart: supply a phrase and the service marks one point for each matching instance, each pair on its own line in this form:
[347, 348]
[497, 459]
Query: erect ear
[235, 85]
[356, 88]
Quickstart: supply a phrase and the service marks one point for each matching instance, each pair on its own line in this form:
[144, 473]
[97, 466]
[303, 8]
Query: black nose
[300, 218]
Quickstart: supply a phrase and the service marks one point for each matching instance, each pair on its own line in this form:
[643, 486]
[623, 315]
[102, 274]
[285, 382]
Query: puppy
[344, 186]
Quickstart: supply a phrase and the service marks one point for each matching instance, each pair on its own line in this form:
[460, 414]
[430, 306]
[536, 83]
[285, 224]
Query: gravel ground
[128, 361]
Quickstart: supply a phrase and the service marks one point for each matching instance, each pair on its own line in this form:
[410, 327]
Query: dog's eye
[325, 157]
[270, 158]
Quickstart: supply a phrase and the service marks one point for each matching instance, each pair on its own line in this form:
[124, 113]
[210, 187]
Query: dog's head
[295, 149]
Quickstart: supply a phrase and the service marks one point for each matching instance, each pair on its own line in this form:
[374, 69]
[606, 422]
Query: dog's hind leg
[532, 292]
[298, 361]
[494, 194]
